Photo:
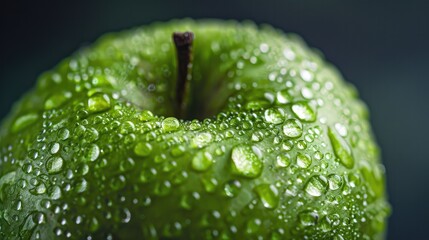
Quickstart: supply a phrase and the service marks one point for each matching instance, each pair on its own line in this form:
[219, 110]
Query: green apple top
[231, 131]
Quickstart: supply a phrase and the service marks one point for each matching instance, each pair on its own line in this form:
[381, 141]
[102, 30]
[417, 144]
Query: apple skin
[274, 144]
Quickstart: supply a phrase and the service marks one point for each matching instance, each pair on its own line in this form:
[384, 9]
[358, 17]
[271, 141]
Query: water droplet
[340, 237]
[268, 194]
[201, 140]
[304, 112]
[195, 125]
[306, 75]
[303, 160]
[24, 121]
[335, 181]
[264, 48]
[232, 188]
[308, 218]
[98, 102]
[146, 116]
[170, 124]
[341, 149]
[143, 149]
[125, 216]
[57, 100]
[162, 188]
[210, 184]
[257, 104]
[253, 226]
[353, 180]
[245, 162]
[283, 161]
[288, 145]
[292, 128]
[63, 134]
[33, 154]
[54, 165]
[202, 161]
[118, 183]
[126, 165]
[127, 127]
[81, 186]
[289, 54]
[39, 189]
[94, 225]
[257, 136]
[341, 129]
[55, 148]
[325, 224]
[301, 144]
[55, 193]
[18, 205]
[92, 152]
[147, 175]
[188, 201]
[316, 186]
[178, 150]
[274, 115]
[306, 93]
[27, 168]
[284, 97]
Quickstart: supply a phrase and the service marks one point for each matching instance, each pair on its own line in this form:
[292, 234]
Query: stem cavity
[183, 42]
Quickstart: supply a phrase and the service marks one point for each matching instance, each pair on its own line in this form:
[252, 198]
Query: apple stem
[183, 42]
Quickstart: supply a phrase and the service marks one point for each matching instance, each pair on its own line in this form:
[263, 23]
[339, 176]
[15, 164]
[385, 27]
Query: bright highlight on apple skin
[191, 130]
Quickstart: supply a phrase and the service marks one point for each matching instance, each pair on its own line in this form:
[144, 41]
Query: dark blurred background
[380, 46]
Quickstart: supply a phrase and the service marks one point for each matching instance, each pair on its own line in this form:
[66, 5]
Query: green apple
[225, 131]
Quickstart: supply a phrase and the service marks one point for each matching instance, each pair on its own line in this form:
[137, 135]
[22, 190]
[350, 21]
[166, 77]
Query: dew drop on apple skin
[245, 162]
[55, 147]
[162, 188]
[202, 161]
[306, 93]
[274, 115]
[54, 165]
[147, 175]
[98, 102]
[283, 97]
[304, 112]
[39, 189]
[303, 160]
[145, 116]
[57, 100]
[92, 152]
[253, 226]
[306, 75]
[316, 186]
[341, 129]
[127, 127]
[24, 121]
[325, 224]
[232, 188]
[268, 194]
[341, 148]
[292, 128]
[257, 136]
[283, 161]
[55, 193]
[189, 200]
[201, 140]
[308, 218]
[170, 124]
[143, 149]
[81, 186]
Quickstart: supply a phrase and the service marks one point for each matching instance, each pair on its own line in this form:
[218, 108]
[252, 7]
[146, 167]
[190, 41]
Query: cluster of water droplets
[100, 159]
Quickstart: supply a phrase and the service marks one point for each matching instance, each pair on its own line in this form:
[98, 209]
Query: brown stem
[183, 42]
